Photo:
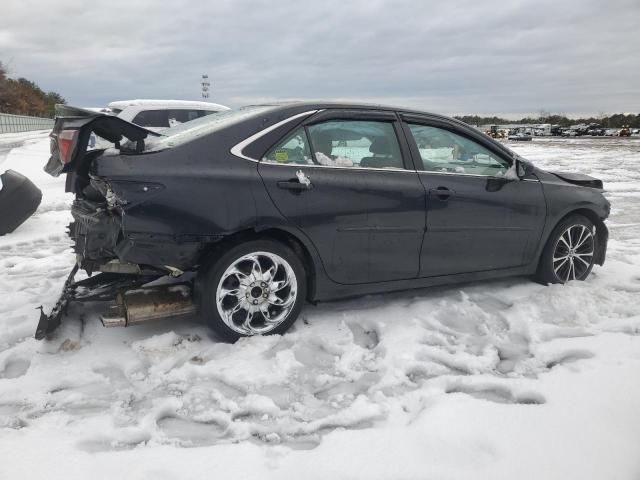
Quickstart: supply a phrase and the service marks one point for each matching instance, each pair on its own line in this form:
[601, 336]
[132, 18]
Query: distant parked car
[625, 131]
[520, 137]
[158, 114]
[595, 131]
[155, 115]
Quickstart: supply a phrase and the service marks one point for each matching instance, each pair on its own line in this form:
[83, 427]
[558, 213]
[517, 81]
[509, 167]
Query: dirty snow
[497, 380]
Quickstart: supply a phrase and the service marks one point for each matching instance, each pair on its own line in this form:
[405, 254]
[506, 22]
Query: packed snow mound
[503, 379]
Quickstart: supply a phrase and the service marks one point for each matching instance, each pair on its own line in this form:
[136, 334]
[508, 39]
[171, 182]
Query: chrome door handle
[297, 185]
[294, 185]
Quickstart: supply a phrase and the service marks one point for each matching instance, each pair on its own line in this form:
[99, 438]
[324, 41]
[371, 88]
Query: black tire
[211, 275]
[19, 199]
[550, 271]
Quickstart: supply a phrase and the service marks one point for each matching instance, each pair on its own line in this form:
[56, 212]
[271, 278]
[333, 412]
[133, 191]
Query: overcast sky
[509, 57]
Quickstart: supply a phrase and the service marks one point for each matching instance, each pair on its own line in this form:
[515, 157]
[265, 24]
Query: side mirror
[521, 169]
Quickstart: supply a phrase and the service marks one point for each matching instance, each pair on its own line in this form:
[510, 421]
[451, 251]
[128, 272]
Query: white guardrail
[22, 123]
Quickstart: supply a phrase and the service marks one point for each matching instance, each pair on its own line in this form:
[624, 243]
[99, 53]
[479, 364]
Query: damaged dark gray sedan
[252, 212]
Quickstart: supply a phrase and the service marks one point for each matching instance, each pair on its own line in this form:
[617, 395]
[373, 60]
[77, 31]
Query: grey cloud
[451, 57]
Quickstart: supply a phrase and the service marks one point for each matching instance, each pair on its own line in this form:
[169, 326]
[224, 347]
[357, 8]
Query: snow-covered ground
[498, 380]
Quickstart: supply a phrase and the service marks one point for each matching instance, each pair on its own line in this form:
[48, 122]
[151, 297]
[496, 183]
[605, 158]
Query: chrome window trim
[337, 167]
[237, 149]
[429, 172]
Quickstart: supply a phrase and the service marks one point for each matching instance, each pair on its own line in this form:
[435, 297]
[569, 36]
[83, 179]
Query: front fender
[602, 236]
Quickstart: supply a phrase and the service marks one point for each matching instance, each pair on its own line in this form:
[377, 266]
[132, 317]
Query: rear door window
[355, 143]
[152, 118]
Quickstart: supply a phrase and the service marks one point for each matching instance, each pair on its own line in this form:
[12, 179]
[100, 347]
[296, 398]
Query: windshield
[202, 126]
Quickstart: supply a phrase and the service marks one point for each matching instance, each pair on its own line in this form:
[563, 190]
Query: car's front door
[480, 215]
[363, 208]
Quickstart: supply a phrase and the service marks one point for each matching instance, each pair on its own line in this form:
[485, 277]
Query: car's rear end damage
[106, 190]
[98, 228]
[119, 228]
[149, 207]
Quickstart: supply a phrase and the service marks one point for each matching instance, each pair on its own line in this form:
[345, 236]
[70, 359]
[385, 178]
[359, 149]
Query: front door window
[445, 151]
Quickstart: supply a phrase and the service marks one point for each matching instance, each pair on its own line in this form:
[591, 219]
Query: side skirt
[327, 291]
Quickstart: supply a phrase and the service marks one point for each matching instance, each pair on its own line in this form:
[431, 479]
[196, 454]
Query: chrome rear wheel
[256, 293]
[257, 287]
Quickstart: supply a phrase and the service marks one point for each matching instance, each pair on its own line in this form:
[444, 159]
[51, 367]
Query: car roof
[122, 104]
[319, 105]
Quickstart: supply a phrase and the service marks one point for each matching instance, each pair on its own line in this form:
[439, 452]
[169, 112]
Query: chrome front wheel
[570, 251]
[573, 253]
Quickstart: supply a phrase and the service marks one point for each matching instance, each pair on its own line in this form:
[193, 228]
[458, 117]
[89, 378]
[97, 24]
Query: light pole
[205, 86]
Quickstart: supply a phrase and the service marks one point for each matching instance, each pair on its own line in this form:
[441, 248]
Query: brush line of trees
[617, 120]
[24, 97]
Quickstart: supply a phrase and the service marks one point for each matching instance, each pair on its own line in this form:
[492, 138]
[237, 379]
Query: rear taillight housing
[66, 140]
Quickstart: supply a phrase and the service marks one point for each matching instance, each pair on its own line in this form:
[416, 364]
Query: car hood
[579, 179]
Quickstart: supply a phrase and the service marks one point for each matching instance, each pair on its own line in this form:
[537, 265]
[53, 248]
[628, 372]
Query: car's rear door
[480, 216]
[364, 206]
